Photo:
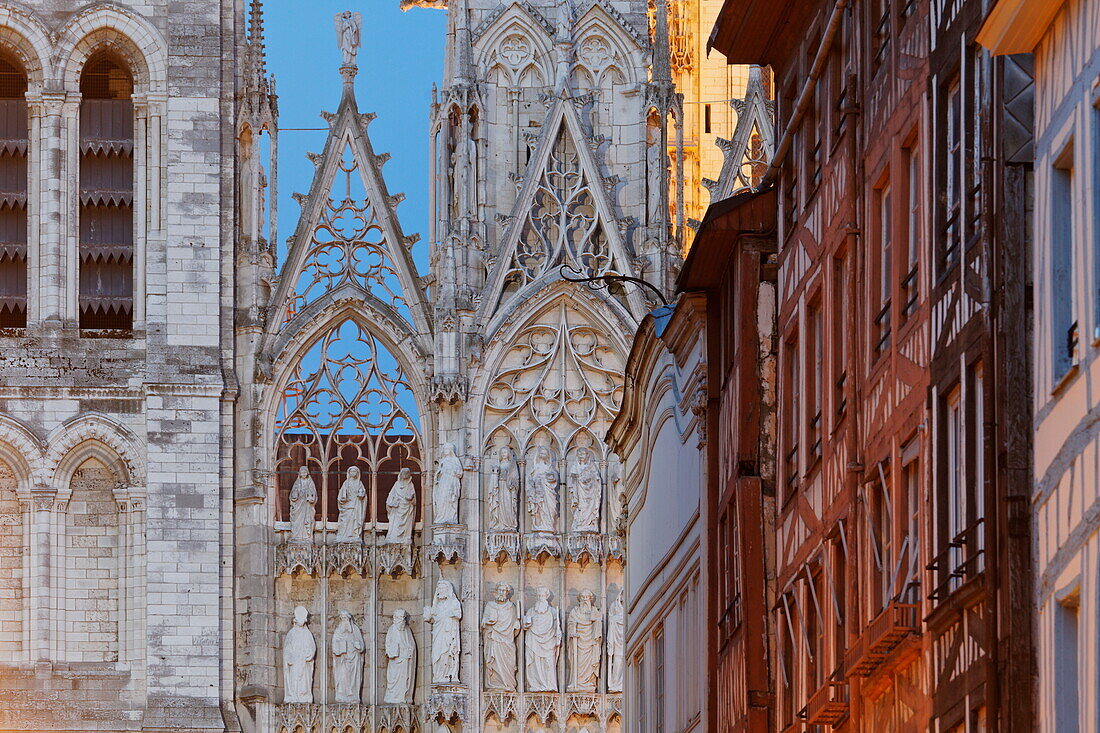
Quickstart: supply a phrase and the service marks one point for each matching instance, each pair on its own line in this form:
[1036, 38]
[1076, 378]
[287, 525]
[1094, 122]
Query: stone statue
[303, 499]
[503, 492]
[584, 629]
[616, 644]
[448, 487]
[616, 503]
[348, 25]
[585, 493]
[401, 656]
[347, 659]
[352, 501]
[444, 616]
[299, 652]
[542, 492]
[401, 509]
[500, 627]
[656, 159]
[543, 643]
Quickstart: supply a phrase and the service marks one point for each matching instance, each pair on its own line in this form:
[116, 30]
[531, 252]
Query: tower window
[13, 195]
[106, 240]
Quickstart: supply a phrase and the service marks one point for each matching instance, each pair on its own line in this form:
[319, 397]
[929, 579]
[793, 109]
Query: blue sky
[400, 58]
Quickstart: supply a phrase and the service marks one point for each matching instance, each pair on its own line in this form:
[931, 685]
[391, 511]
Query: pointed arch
[103, 25]
[94, 435]
[347, 397]
[562, 216]
[516, 19]
[555, 371]
[344, 239]
[749, 151]
[23, 452]
[28, 39]
[604, 43]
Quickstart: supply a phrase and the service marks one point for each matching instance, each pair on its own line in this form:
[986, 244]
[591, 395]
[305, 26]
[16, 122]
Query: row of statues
[501, 624]
[543, 481]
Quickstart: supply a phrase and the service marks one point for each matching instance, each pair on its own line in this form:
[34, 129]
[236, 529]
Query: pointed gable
[349, 241]
[563, 217]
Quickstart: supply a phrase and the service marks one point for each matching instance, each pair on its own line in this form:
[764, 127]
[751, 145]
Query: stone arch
[496, 46]
[347, 394]
[133, 38]
[91, 559]
[94, 435]
[558, 326]
[22, 451]
[28, 39]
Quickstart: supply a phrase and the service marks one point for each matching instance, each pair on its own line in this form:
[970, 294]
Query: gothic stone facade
[180, 418]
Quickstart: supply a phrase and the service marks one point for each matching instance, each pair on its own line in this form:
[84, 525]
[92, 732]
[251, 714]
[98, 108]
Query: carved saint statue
[299, 651]
[401, 656]
[347, 659]
[616, 502]
[348, 25]
[584, 629]
[444, 616]
[542, 644]
[656, 159]
[448, 485]
[585, 493]
[303, 498]
[542, 492]
[503, 491]
[352, 501]
[616, 643]
[500, 627]
[401, 509]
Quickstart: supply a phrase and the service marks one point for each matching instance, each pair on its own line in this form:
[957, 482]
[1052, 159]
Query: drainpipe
[806, 95]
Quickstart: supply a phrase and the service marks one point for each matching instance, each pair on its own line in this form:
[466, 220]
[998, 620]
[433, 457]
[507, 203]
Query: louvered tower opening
[13, 195]
[106, 195]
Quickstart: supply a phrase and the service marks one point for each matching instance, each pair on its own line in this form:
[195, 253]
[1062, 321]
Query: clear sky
[400, 58]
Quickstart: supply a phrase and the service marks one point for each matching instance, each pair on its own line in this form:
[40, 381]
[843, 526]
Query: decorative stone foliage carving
[393, 560]
[297, 557]
[393, 718]
[303, 716]
[446, 707]
[344, 558]
[543, 707]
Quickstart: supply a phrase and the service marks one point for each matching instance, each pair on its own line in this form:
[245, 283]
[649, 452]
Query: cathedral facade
[348, 490]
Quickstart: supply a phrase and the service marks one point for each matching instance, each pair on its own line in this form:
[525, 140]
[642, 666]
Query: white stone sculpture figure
[585, 493]
[616, 643]
[347, 659]
[303, 499]
[444, 615]
[448, 487]
[542, 625]
[500, 627]
[352, 501]
[542, 492]
[348, 25]
[299, 653]
[503, 492]
[401, 509]
[401, 656]
[616, 501]
[584, 630]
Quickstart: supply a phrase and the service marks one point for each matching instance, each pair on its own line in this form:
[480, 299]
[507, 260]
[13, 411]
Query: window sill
[1062, 382]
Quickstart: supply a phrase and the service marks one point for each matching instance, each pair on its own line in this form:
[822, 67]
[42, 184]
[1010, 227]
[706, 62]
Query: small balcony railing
[897, 621]
[829, 705]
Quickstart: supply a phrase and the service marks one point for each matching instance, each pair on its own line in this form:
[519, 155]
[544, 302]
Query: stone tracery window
[106, 241]
[348, 247]
[562, 224]
[13, 194]
[560, 382]
[347, 403]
